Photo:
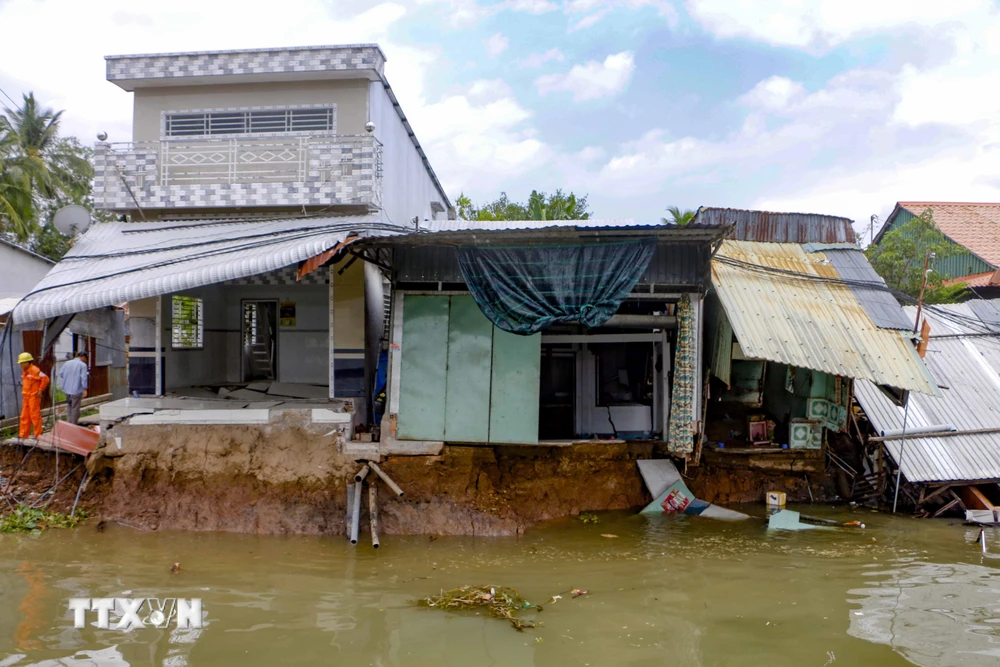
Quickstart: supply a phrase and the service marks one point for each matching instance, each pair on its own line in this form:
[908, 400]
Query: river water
[664, 591]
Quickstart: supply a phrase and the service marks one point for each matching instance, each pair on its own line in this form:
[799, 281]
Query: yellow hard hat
[24, 356]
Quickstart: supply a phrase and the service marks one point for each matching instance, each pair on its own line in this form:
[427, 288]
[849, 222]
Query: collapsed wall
[291, 476]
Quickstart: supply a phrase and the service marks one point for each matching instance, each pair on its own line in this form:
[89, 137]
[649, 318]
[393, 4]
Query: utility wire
[8, 97]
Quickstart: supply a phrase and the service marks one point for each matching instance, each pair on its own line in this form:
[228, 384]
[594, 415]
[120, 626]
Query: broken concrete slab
[126, 407]
[247, 395]
[298, 390]
[259, 386]
[233, 416]
[194, 392]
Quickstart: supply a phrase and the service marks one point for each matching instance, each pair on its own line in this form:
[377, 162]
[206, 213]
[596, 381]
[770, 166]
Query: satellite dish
[71, 220]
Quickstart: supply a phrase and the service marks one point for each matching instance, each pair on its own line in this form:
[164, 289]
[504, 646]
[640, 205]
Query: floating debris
[610, 536]
[588, 517]
[499, 602]
[26, 519]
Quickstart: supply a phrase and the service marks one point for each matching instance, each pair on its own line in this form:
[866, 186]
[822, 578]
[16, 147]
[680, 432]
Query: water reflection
[934, 614]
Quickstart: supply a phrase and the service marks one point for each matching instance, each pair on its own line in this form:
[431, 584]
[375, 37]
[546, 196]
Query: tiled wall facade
[347, 172]
[322, 59]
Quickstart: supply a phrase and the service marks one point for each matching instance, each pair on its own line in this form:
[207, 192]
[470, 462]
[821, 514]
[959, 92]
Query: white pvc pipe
[356, 517]
[373, 513]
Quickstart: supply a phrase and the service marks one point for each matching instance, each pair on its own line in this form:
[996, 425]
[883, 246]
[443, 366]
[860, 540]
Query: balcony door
[260, 340]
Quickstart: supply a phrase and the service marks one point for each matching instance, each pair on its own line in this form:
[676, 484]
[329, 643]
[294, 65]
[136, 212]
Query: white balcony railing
[331, 170]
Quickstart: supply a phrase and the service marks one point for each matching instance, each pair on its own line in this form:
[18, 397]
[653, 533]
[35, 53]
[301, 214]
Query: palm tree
[35, 163]
[678, 217]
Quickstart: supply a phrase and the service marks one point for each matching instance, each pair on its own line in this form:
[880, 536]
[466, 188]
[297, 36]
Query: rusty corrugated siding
[807, 322]
[768, 227]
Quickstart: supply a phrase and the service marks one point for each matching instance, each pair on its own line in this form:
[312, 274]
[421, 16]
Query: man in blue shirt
[73, 377]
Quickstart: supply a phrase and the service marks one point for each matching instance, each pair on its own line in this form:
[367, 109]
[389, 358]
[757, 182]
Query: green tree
[678, 217]
[899, 258]
[37, 166]
[540, 206]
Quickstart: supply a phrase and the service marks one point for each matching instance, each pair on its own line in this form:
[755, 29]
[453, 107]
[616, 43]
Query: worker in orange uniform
[33, 384]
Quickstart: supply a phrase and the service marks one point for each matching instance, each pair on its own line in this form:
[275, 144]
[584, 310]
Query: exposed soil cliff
[292, 476]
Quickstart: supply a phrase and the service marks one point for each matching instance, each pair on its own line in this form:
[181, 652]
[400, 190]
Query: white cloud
[775, 92]
[477, 135]
[592, 80]
[824, 23]
[536, 60]
[495, 44]
[595, 10]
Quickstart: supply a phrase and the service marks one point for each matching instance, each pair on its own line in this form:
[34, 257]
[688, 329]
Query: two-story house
[248, 176]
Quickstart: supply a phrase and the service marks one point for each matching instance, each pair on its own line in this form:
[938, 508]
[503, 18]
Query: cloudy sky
[828, 106]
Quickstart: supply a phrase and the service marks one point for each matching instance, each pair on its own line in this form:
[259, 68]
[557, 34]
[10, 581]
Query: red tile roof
[987, 279]
[975, 226]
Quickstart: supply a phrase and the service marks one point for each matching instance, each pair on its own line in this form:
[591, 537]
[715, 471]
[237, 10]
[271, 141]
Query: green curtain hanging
[680, 441]
[524, 289]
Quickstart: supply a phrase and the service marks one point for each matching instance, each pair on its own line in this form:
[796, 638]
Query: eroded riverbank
[666, 590]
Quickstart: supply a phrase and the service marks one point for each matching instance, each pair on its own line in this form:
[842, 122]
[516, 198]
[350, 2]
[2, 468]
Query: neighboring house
[974, 227]
[249, 176]
[101, 333]
[20, 270]
[788, 335]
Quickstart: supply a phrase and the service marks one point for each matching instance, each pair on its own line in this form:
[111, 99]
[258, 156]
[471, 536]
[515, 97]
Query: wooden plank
[423, 369]
[470, 357]
[514, 397]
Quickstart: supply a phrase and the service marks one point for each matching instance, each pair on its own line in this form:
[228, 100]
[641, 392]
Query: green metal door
[470, 348]
[515, 383]
[422, 378]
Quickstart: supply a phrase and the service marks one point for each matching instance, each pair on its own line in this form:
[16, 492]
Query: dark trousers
[73, 406]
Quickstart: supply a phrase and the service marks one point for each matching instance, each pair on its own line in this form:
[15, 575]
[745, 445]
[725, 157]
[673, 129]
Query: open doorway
[260, 340]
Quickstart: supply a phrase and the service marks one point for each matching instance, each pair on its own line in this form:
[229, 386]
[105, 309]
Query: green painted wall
[422, 377]
[464, 380]
[470, 350]
[515, 385]
[962, 264]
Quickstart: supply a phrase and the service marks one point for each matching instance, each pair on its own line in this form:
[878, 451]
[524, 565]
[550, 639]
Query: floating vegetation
[26, 519]
[498, 602]
[588, 517]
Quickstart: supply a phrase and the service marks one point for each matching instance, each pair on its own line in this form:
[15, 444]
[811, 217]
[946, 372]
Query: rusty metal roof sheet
[968, 372]
[782, 310]
[768, 227]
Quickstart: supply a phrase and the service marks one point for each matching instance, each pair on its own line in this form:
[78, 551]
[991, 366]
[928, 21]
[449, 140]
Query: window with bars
[188, 323]
[260, 121]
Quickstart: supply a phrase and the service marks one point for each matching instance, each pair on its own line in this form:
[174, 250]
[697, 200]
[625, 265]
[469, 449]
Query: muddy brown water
[665, 591]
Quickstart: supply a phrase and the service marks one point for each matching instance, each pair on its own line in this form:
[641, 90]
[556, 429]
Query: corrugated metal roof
[116, 262]
[460, 225]
[880, 305]
[968, 372]
[676, 265]
[768, 227]
[807, 322]
[457, 232]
